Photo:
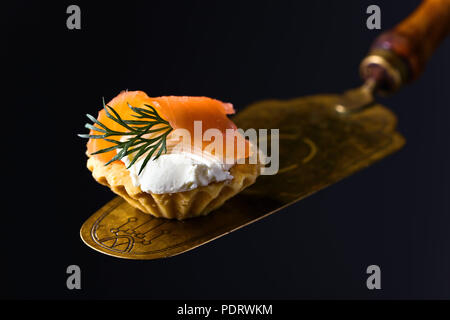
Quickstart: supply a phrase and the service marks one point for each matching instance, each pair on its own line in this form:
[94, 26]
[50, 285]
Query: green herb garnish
[136, 144]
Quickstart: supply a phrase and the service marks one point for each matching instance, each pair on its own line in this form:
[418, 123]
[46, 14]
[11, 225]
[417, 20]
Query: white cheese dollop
[177, 172]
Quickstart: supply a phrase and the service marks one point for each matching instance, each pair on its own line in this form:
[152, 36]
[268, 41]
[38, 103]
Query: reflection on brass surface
[318, 147]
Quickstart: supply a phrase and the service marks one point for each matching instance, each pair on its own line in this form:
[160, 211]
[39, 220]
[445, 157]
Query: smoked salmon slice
[180, 111]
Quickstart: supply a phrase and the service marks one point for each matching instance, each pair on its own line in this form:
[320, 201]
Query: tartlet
[180, 205]
[177, 112]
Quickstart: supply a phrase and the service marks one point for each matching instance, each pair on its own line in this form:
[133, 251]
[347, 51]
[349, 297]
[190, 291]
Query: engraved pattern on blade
[134, 231]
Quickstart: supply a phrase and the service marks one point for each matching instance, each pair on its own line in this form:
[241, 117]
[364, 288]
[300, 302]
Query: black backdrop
[395, 214]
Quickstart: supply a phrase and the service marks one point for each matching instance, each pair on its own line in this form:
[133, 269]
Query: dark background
[395, 214]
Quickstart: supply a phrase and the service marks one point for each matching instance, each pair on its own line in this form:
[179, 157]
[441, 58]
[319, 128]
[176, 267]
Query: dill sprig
[136, 144]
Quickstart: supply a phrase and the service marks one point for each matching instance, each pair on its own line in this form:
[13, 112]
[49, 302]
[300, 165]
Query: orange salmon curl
[181, 112]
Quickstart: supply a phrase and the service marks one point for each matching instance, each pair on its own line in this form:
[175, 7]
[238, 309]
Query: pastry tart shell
[179, 205]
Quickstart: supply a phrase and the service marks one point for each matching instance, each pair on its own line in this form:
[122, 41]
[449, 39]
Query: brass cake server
[323, 139]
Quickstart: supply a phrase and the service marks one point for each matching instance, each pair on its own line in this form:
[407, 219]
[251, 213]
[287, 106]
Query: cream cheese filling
[177, 172]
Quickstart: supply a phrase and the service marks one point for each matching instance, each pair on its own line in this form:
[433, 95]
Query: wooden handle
[421, 33]
[408, 46]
